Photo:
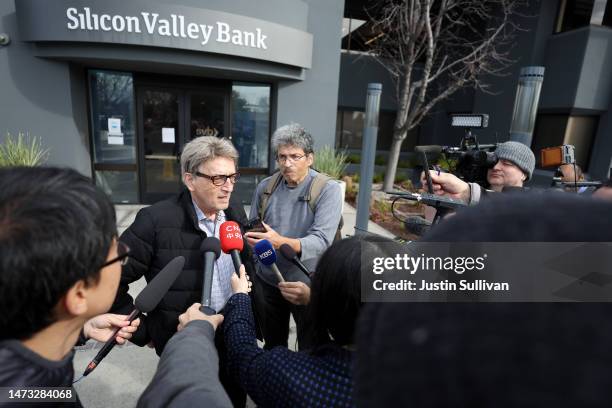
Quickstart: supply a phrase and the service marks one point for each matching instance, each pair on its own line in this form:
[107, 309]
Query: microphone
[231, 242]
[267, 256]
[431, 199]
[145, 302]
[291, 255]
[210, 250]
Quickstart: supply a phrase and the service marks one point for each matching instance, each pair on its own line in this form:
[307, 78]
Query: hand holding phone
[255, 225]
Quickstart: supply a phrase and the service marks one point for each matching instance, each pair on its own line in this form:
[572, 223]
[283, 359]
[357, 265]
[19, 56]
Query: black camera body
[471, 159]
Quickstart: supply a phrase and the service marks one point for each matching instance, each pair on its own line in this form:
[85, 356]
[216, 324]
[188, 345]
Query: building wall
[601, 156]
[527, 50]
[356, 72]
[37, 97]
[313, 102]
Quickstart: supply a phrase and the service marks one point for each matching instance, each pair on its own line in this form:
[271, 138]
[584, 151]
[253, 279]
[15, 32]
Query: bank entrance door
[168, 118]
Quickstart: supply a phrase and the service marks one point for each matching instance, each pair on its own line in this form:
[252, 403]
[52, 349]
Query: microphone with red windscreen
[232, 242]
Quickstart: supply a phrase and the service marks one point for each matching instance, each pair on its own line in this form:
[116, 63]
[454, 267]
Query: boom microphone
[431, 199]
[267, 256]
[232, 242]
[145, 302]
[210, 250]
[291, 255]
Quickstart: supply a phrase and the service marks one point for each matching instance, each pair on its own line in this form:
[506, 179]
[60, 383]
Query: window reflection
[574, 14]
[120, 185]
[207, 115]
[112, 105]
[251, 123]
[349, 131]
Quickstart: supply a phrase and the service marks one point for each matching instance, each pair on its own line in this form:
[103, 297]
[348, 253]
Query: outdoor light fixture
[4, 39]
[470, 120]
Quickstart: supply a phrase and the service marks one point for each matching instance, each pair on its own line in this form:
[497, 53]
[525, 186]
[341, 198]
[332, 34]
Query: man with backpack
[299, 207]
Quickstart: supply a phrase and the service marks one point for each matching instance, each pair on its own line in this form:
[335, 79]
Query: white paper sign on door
[114, 127]
[168, 135]
[115, 140]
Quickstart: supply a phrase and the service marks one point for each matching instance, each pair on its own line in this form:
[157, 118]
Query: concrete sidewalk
[126, 371]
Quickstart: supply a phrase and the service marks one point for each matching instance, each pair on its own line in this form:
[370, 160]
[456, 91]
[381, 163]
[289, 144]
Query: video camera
[472, 159]
[561, 155]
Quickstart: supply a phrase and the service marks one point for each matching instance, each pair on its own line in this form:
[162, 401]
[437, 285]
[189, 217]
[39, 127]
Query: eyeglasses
[122, 255]
[220, 179]
[292, 157]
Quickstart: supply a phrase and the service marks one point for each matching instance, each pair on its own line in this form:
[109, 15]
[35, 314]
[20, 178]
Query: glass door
[169, 117]
[159, 112]
[207, 113]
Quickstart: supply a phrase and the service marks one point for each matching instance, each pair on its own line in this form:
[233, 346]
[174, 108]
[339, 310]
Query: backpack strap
[264, 198]
[312, 194]
[314, 191]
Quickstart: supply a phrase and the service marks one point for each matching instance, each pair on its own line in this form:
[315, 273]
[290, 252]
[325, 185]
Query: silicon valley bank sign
[163, 25]
[176, 26]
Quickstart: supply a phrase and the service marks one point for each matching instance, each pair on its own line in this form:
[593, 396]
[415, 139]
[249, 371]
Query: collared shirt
[223, 269]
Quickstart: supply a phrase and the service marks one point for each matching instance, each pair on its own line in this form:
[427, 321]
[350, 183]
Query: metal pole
[526, 104]
[368, 153]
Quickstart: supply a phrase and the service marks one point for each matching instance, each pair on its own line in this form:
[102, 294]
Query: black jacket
[20, 368]
[160, 233]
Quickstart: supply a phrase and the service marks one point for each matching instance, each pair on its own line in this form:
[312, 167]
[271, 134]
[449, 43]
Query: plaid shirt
[222, 272]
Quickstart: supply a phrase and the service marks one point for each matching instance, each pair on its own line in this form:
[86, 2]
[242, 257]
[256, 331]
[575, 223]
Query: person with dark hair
[60, 267]
[299, 207]
[493, 354]
[322, 375]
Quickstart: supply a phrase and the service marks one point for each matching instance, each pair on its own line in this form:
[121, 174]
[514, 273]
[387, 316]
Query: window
[251, 123]
[113, 134]
[574, 14]
[558, 129]
[607, 17]
[349, 131]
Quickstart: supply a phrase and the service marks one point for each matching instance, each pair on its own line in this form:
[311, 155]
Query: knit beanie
[518, 154]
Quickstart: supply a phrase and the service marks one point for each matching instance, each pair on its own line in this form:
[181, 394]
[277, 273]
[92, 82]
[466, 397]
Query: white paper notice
[114, 127]
[168, 135]
[115, 140]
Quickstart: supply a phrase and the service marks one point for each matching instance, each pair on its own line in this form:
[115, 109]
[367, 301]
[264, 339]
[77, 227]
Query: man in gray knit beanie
[514, 166]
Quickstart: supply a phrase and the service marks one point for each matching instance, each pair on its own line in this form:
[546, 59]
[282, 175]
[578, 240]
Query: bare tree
[433, 48]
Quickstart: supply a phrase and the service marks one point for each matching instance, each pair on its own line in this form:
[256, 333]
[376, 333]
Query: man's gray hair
[292, 135]
[205, 148]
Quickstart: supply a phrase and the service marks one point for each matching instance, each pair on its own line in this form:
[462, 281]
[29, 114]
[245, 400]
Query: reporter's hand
[297, 293]
[241, 284]
[101, 327]
[447, 184]
[193, 313]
